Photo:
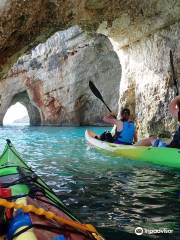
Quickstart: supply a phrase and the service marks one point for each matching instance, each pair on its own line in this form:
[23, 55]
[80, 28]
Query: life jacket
[175, 143]
[126, 136]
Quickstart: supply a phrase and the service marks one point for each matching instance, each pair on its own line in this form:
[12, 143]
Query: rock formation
[147, 86]
[52, 80]
[143, 32]
[25, 23]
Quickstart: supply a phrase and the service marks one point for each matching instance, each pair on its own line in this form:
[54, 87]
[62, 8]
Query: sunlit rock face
[144, 32]
[147, 86]
[56, 74]
[24, 24]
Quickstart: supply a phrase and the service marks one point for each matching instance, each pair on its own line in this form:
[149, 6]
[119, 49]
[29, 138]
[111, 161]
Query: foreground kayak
[30, 210]
[163, 156]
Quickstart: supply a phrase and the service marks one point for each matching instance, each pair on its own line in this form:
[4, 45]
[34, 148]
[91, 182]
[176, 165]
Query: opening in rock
[17, 114]
[24, 107]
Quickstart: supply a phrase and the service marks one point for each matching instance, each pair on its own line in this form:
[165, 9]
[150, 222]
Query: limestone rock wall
[144, 31]
[147, 85]
[14, 90]
[55, 76]
[24, 24]
[7, 91]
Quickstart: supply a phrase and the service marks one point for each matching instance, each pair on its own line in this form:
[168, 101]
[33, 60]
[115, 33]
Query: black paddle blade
[173, 73]
[175, 81]
[95, 91]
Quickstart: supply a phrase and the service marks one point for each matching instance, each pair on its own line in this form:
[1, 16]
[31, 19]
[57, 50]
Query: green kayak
[30, 210]
[169, 157]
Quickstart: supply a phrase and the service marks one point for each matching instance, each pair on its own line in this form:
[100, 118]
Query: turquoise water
[114, 194]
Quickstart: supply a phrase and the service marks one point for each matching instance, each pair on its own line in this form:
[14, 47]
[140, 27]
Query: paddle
[96, 92]
[174, 80]
[173, 73]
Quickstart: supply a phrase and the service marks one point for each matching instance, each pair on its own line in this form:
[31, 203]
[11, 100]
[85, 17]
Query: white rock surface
[146, 85]
[55, 76]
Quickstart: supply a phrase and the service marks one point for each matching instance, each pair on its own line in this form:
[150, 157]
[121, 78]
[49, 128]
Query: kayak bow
[30, 210]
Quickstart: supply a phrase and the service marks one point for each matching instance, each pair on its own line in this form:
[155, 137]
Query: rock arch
[54, 77]
[23, 98]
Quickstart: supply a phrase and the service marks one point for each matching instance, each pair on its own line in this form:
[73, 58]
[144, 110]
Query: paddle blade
[95, 91]
[171, 58]
[175, 81]
[173, 73]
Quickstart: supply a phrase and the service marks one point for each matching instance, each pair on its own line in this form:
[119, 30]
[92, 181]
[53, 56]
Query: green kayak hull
[169, 157]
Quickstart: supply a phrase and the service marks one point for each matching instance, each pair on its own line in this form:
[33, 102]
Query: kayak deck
[30, 210]
[163, 156]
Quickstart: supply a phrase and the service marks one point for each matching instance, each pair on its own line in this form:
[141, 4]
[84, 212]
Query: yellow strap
[50, 215]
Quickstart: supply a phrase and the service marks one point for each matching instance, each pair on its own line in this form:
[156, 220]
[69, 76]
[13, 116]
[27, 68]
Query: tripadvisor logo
[140, 231]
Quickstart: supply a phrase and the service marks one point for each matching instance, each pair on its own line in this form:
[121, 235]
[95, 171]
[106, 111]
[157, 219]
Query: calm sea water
[116, 195]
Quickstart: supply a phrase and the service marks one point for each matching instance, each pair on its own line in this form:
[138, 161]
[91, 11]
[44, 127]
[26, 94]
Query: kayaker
[125, 128]
[174, 108]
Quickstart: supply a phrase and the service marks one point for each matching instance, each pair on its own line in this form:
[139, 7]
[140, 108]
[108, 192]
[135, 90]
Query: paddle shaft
[106, 106]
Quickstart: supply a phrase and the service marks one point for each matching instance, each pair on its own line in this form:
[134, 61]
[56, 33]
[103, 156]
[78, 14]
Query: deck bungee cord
[35, 186]
[50, 215]
[50, 194]
[25, 197]
[57, 230]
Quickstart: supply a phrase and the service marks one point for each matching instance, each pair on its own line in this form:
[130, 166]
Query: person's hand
[113, 114]
[177, 101]
[174, 107]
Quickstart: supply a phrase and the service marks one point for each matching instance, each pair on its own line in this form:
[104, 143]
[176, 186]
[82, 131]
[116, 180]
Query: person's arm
[112, 120]
[174, 107]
